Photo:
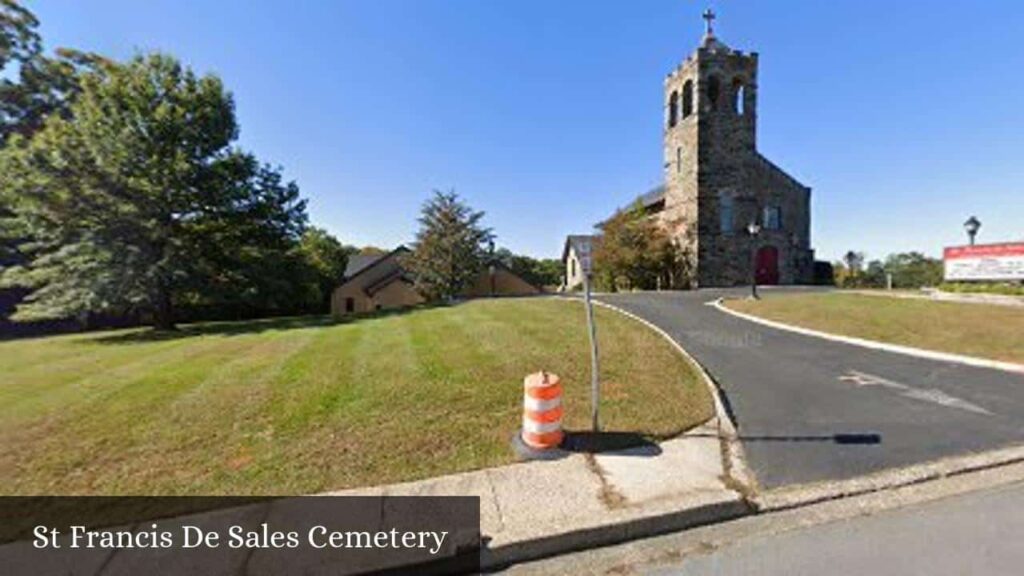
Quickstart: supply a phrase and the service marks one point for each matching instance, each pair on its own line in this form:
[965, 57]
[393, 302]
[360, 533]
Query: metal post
[753, 273]
[595, 389]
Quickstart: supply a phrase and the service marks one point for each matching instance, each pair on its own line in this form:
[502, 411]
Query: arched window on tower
[713, 90]
[687, 98]
[738, 96]
[673, 109]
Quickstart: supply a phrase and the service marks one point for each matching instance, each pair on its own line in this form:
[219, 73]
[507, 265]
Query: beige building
[378, 282]
[573, 279]
[497, 280]
[374, 282]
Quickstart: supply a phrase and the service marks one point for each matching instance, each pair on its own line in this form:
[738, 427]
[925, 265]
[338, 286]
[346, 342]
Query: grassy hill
[306, 405]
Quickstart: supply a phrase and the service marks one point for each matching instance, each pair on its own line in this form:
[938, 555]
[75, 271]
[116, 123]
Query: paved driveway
[809, 409]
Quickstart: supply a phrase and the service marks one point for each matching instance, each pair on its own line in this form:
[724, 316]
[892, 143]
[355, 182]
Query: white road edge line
[873, 344]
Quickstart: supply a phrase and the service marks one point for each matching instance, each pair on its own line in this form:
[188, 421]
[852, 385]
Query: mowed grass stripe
[303, 405]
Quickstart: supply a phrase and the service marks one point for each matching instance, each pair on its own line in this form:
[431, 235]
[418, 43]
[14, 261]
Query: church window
[726, 210]
[679, 159]
[738, 94]
[713, 89]
[687, 98]
[772, 218]
[673, 109]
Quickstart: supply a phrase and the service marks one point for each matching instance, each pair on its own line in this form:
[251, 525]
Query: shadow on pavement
[861, 439]
[630, 443]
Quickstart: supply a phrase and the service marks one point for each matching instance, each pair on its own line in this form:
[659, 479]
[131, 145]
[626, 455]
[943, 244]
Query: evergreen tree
[450, 247]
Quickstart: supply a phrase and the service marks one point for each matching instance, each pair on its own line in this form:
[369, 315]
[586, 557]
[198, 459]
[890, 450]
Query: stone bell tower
[715, 180]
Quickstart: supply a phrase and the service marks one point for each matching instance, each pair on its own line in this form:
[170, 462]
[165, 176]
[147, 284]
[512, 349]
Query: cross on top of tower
[709, 18]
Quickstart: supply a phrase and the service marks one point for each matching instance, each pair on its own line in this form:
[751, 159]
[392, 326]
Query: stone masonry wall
[711, 155]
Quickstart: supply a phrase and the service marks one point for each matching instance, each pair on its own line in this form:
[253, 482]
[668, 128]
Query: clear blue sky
[904, 117]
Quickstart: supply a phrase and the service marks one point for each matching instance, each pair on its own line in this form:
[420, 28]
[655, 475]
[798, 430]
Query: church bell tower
[710, 126]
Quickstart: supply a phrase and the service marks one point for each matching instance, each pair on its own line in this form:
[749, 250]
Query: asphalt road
[810, 409]
[950, 527]
[970, 534]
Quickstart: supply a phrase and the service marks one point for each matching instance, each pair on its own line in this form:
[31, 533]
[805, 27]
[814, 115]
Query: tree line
[906, 269]
[124, 194]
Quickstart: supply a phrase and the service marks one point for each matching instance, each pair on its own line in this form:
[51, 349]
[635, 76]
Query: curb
[875, 345]
[806, 494]
[611, 534]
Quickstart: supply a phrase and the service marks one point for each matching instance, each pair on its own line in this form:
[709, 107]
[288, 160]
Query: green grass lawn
[306, 405]
[986, 331]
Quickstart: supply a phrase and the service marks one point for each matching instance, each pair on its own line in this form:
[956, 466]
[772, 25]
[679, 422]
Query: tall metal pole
[595, 389]
[753, 273]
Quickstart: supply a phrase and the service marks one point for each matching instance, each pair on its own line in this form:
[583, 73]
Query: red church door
[767, 265]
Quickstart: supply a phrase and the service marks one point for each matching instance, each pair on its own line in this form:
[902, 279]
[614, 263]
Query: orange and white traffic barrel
[542, 411]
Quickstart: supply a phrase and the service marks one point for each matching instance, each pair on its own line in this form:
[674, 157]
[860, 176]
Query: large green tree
[35, 85]
[325, 259]
[635, 252]
[450, 248]
[136, 200]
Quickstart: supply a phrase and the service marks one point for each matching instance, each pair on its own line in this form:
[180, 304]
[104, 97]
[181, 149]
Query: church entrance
[767, 265]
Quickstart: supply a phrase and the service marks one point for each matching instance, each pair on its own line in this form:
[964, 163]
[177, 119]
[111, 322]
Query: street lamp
[490, 265]
[753, 229]
[971, 226]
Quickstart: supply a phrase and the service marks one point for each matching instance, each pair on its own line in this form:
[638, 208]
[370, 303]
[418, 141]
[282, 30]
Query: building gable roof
[376, 262]
[357, 262]
[651, 201]
[574, 240]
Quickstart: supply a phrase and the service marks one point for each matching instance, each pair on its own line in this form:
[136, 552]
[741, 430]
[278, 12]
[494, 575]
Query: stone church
[716, 182]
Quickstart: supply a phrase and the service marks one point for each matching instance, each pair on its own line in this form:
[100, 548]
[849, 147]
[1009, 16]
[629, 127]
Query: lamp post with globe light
[972, 226]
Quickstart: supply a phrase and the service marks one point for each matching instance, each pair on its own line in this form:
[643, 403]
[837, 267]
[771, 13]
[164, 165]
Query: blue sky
[904, 117]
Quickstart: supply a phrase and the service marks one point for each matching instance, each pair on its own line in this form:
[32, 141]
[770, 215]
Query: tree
[854, 262]
[325, 258]
[539, 272]
[914, 270]
[635, 252]
[32, 87]
[136, 201]
[41, 85]
[19, 41]
[450, 247]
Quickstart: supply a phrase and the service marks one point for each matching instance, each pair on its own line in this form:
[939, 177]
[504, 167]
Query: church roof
[649, 201]
[652, 197]
[357, 262]
[713, 44]
[574, 240]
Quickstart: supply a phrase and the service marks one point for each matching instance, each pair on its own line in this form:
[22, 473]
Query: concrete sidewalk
[535, 509]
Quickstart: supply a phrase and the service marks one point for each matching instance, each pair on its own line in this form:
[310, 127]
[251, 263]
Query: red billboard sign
[985, 262]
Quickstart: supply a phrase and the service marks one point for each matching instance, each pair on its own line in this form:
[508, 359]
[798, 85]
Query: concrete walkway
[534, 509]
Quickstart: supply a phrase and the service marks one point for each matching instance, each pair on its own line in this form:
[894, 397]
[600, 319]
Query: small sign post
[584, 253]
